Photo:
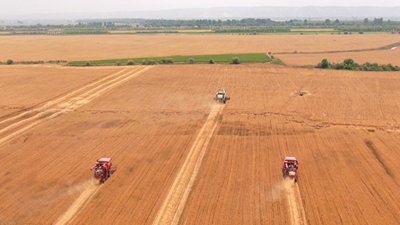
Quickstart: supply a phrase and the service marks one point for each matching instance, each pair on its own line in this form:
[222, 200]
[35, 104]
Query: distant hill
[276, 13]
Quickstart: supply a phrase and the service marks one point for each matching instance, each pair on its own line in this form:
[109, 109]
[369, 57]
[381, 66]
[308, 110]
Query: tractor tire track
[20, 123]
[69, 215]
[295, 203]
[55, 101]
[173, 206]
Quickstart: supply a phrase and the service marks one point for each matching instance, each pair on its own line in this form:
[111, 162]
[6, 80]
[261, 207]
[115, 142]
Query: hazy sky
[21, 7]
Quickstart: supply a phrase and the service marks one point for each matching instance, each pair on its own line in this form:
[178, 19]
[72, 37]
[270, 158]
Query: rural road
[172, 208]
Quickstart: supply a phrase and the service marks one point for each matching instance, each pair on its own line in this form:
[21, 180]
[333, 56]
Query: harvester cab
[220, 96]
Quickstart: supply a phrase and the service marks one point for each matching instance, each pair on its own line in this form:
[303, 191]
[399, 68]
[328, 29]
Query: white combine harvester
[220, 96]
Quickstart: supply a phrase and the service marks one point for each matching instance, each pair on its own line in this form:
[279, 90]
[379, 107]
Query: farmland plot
[177, 151]
[96, 47]
[391, 56]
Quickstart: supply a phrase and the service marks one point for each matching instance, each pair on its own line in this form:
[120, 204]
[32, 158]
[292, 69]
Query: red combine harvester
[290, 167]
[103, 169]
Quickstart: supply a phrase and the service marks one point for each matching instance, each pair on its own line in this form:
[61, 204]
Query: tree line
[349, 64]
[246, 25]
[178, 23]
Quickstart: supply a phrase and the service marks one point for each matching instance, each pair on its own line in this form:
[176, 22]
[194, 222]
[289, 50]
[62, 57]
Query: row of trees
[253, 30]
[95, 24]
[219, 22]
[200, 22]
[130, 62]
[248, 25]
[180, 23]
[84, 31]
[328, 21]
[208, 23]
[377, 21]
[349, 64]
[10, 61]
[130, 24]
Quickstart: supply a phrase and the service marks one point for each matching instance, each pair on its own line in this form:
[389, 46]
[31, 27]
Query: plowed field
[91, 47]
[183, 159]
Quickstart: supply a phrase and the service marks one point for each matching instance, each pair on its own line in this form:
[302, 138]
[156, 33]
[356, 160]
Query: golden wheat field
[391, 56]
[183, 158]
[91, 47]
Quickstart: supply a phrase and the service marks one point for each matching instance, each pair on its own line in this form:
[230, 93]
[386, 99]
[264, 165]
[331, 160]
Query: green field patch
[225, 58]
[277, 61]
